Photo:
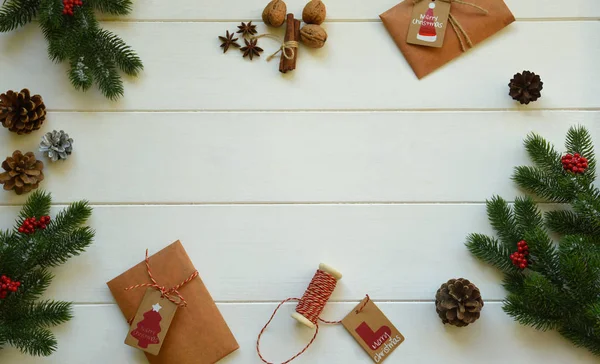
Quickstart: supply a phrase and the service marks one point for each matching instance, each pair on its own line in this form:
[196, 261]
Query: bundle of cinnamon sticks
[292, 33]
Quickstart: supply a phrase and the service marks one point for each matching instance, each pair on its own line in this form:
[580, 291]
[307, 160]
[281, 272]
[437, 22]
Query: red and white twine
[172, 294]
[310, 306]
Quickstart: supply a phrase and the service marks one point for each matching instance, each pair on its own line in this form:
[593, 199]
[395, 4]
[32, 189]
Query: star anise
[228, 41]
[251, 49]
[247, 29]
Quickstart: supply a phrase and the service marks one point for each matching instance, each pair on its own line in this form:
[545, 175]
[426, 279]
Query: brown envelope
[198, 333]
[476, 24]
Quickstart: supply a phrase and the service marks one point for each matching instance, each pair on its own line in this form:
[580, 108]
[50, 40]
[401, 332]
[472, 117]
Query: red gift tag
[151, 322]
[372, 330]
[428, 23]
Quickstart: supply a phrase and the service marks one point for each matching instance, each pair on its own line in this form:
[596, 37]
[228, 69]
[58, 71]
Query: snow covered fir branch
[74, 35]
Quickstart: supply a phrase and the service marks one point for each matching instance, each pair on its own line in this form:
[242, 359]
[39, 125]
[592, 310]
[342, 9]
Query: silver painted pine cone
[56, 145]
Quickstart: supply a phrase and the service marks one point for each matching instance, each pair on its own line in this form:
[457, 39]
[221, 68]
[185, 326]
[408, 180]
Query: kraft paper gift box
[477, 25]
[198, 333]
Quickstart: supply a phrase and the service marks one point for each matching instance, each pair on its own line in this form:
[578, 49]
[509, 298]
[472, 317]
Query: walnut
[314, 12]
[274, 13]
[313, 36]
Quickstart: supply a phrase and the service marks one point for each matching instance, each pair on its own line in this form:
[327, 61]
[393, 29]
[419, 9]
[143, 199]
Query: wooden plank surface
[98, 331]
[193, 10]
[293, 157]
[349, 160]
[249, 253]
[192, 74]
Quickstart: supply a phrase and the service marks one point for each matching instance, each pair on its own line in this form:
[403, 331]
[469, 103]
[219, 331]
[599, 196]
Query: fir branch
[94, 55]
[50, 14]
[580, 269]
[43, 314]
[70, 218]
[560, 288]
[107, 77]
[538, 182]
[513, 281]
[65, 247]
[580, 141]
[35, 283]
[124, 57]
[566, 222]
[527, 215]
[502, 219]
[16, 13]
[34, 341]
[80, 74]
[582, 338]
[23, 321]
[115, 7]
[37, 205]
[587, 205]
[538, 304]
[543, 154]
[491, 251]
[544, 256]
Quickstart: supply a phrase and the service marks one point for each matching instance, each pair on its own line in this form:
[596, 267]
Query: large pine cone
[458, 302]
[22, 113]
[23, 172]
[526, 87]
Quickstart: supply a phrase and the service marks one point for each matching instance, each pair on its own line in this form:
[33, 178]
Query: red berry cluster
[31, 223]
[68, 6]
[519, 258]
[574, 163]
[7, 285]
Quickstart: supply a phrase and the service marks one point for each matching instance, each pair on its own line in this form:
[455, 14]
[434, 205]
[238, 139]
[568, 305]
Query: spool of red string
[310, 306]
[316, 295]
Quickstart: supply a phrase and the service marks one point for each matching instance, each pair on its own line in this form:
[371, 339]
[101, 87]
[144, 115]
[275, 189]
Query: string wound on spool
[310, 306]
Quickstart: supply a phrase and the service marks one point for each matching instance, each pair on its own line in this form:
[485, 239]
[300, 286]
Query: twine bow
[458, 29]
[289, 46]
[172, 294]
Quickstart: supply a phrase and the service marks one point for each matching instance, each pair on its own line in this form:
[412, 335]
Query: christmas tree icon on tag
[151, 322]
[427, 31]
[147, 330]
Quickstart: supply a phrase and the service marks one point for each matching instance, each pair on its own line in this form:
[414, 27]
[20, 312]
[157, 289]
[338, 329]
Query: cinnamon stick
[292, 33]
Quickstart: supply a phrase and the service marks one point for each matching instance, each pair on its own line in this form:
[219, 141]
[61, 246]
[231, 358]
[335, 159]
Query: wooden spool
[325, 268]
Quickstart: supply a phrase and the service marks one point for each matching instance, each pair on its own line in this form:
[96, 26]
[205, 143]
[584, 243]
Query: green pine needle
[543, 154]
[115, 7]
[490, 251]
[24, 321]
[580, 141]
[527, 215]
[16, 13]
[123, 56]
[560, 288]
[502, 219]
[94, 55]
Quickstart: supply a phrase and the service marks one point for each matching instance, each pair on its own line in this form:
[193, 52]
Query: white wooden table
[349, 160]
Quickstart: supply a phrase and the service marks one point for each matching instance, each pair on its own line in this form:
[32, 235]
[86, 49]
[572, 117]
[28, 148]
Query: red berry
[523, 266]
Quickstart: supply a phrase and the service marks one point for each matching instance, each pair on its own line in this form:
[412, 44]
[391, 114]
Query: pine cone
[23, 172]
[458, 302]
[22, 113]
[526, 87]
[56, 145]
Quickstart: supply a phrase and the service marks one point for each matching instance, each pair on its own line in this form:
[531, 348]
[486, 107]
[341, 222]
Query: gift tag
[373, 331]
[428, 23]
[151, 322]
